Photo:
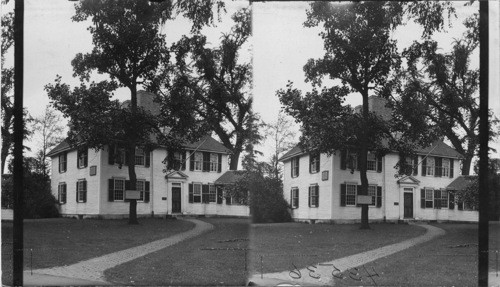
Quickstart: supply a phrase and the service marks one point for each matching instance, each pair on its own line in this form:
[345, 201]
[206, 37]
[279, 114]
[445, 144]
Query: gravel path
[93, 269]
[322, 274]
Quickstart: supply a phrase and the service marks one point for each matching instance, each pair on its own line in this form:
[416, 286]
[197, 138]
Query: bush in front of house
[38, 199]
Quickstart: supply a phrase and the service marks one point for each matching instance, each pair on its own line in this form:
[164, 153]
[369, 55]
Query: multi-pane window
[198, 160]
[139, 186]
[119, 189]
[196, 192]
[63, 162]
[430, 166]
[372, 191]
[82, 158]
[444, 198]
[350, 199]
[140, 156]
[429, 195]
[214, 164]
[313, 196]
[61, 192]
[314, 163]
[352, 160]
[294, 200]
[177, 162]
[371, 162]
[81, 191]
[295, 166]
[446, 167]
[212, 194]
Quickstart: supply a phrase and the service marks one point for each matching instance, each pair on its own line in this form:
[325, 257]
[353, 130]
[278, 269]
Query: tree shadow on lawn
[63, 241]
[217, 257]
[274, 248]
[444, 261]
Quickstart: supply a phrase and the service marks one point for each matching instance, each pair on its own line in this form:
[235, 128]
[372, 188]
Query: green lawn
[281, 245]
[61, 241]
[216, 257]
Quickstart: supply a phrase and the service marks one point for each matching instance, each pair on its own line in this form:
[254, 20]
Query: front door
[408, 205]
[176, 199]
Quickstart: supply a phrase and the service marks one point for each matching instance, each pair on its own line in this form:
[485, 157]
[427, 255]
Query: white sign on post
[132, 194]
[364, 199]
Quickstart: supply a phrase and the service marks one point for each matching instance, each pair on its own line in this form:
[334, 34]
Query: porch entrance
[408, 205]
[176, 199]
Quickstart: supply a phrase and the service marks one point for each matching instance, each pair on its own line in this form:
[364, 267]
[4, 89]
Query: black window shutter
[309, 196]
[379, 196]
[86, 158]
[310, 161]
[84, 191]
[65, 161]
[111, 154]
[298, 165]
[318, 163]
[424, 166]
[379, 164]
[147, 158]
[342, 160]
[438, 166]
[357, 192]
[422, 198]
[451, 167]
[437, 198]
[415, 165]
[65, 193]
[297, 197]
[451, 202]
[146, 191]
[292, 166]
[219, 163]
[111, 189]
[183, 158]
[219, 194]
[206, 161]
[190, 193]
[342, 194]
[76, 191]
[191, 161]
[204, 193]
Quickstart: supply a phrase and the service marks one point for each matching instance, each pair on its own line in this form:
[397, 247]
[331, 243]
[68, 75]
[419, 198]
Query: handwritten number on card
[311, 272]
[354, 275]
[295, 273]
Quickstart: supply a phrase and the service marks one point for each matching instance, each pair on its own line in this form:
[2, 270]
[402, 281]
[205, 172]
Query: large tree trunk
[466, 164]
[131, 158]
[363, 154]
[233, 163]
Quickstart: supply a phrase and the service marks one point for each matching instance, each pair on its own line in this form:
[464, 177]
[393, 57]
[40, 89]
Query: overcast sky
[281, 47]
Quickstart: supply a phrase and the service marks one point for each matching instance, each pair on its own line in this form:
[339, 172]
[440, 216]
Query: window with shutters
[295, 166]
[444, 199]
[140, 186]
[350, 199]
[352, 160]
[196, 192]
[212, 194]
[445, 170]
[429, 195]
[82, 158]
[371, 162]
[430, 166]
[314, 163]
[372, 191]
[313, 196]
[294, 199]
[140, 156]
[177, 161]
[63, 162]
[198, 160]
[214, 162]
[81, 190]
[408, 166]
[61, 192]
[119, 189]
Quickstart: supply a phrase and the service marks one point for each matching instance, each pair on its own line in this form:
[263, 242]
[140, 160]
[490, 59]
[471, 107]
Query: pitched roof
[62, 146]
[438, 148]
[461, 182]
[230, 177]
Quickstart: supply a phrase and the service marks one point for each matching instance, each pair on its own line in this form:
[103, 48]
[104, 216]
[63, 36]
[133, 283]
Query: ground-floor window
[349, 193]
[81, 190]
[212, 195]
[351, 190]
[294, 197]
[314, 195]
[436, 198]
[61, 192]
[139, 186]
[118, 190]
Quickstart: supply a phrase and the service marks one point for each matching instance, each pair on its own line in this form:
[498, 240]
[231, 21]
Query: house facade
[325, 188]
[89, 183]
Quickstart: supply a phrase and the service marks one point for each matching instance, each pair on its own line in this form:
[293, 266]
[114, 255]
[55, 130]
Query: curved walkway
[90, 272]
[324, 271]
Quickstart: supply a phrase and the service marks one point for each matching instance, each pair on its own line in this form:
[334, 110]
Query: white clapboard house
[325, 188]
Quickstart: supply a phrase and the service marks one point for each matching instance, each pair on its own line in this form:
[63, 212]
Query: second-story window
[214, 164]
[295, 166]
[445, 170]
[314, 163]
[198, 160]
[63, 162]
[139, 156]
[371, 162]
[352, 160]
[430, 165]
[82, 156]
